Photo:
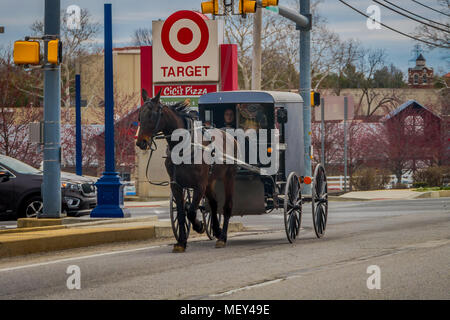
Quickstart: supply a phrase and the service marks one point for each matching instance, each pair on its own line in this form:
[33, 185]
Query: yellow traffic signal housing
[210, 7]
[315, 99]
[247, 6]
[269, 3]
[27, 52]
[54, 52]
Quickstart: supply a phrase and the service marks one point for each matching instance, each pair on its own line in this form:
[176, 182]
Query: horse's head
[151, 120]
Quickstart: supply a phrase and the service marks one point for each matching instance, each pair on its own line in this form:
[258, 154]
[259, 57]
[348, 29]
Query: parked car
[20, 190]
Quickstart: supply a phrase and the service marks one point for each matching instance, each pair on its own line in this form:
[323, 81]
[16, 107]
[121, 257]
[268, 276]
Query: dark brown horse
[156, 118]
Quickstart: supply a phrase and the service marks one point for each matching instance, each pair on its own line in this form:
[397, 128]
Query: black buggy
[256, 189]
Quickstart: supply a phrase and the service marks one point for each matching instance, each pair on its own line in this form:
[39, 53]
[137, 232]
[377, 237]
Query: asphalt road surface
[408, 242]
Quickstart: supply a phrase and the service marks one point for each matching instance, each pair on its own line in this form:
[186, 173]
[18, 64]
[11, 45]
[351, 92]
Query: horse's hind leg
[212, 200]
[177, 192]
[197, 225]
[227, 210]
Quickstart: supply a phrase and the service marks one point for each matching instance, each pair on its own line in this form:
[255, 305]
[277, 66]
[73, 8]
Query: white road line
[80, 258]
[262, 284]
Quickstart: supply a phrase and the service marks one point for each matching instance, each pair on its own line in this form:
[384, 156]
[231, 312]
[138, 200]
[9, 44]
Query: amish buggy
[270, 123]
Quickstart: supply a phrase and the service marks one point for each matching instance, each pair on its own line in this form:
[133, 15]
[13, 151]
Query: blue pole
[51, 187]
[109, 93]
[305, 91]
[109, 186]
[79, 155]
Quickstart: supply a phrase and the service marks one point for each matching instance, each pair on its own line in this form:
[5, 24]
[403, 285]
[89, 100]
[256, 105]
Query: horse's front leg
[197, 225]
[177, 192]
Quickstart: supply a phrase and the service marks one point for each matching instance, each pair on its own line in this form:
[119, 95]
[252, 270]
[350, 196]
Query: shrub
[370, 179]
[400, 186]
[430, 177]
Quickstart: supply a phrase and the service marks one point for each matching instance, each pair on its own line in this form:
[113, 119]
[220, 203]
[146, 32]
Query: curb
[433, 194]
[62, 237]
[339, 198]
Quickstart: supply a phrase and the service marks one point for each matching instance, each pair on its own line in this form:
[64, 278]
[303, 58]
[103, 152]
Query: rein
[154, 147]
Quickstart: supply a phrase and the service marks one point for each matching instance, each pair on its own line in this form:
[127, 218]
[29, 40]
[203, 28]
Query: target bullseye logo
[180, 34]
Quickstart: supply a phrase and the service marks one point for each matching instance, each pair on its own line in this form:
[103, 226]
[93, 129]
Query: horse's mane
[181, 108]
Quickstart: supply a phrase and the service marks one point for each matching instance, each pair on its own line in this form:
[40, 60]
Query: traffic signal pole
[51, 188]
[303, 21]
[305, 86]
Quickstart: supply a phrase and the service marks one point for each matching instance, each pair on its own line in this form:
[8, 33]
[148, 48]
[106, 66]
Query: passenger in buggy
[228, 119]
[251, 116]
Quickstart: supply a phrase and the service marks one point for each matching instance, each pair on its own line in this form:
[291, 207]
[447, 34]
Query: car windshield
[17, 165]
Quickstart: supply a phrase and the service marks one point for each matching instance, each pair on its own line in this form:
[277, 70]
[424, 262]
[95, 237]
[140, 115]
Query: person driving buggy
[228, 119]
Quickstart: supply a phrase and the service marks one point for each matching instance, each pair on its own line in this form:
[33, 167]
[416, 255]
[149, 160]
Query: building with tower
[420, 76]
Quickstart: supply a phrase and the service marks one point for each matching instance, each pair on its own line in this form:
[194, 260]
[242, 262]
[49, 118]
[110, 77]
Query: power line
[392, 29]
[415, 14]
[409, 17]
[448, 15]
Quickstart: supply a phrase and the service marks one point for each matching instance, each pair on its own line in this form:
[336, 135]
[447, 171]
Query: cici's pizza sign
[186, 47]
[185, 90]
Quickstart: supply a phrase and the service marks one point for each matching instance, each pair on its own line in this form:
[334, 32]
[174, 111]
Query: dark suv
[20, 190]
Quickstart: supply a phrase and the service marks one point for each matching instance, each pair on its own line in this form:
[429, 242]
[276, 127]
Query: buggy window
[245, 116]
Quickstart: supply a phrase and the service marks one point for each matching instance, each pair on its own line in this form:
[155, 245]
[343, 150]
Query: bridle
[152, 145]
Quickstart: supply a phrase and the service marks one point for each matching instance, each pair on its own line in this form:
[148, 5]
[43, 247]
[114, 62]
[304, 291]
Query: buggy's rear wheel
[187, 199]
[207, 219]
[320, 201]
[292, 207]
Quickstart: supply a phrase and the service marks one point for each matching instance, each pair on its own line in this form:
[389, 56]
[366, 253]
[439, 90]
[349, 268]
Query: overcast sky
[128, 15]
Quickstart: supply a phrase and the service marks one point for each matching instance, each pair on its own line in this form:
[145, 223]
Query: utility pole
[322, 130]
[51, 188]
[345, 141]
[305, 87]
[256, 63]
[78, 139]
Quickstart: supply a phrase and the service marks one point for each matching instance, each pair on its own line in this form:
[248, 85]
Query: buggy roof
[250, 97]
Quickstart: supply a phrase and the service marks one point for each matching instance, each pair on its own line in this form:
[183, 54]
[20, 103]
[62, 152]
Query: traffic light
[54, 52]
[269, 3]
[315, 99]
[210, 7]
[247, 6]
[27, 52]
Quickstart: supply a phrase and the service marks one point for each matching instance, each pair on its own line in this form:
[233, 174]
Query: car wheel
[32, 207]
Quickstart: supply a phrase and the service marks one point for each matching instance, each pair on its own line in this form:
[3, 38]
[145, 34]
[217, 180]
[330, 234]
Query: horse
[156, 118]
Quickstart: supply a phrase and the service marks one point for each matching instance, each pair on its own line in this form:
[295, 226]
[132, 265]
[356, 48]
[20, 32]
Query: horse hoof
[200, 230]
[178, 248]
[220, 244]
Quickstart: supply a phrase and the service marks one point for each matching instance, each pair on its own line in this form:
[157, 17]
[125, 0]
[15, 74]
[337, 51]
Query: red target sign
[186, 48]
[185, 35]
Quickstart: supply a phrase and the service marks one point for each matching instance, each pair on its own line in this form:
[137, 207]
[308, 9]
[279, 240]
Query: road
[409, 240]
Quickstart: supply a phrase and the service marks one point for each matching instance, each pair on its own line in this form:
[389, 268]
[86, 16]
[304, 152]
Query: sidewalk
[68, 233]
[396, 194]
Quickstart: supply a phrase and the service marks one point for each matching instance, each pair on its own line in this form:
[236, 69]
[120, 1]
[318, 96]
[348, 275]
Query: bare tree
[142, 37]
[438, 36]
[77, 43]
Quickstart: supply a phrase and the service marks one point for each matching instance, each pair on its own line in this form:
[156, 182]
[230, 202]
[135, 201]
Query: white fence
[336, 183]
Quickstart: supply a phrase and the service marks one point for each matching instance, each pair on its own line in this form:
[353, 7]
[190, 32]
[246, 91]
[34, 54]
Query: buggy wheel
[187, 196]
[292, 207]
[207, 219]
[319, 201]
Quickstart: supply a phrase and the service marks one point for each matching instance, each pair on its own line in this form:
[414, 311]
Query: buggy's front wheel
[187, 199]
